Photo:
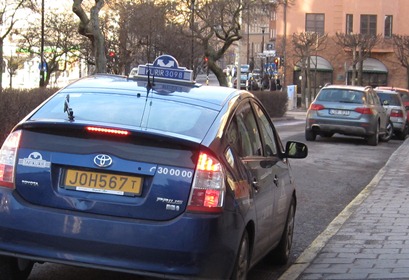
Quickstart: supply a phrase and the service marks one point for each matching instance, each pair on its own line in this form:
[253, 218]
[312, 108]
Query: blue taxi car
[153, 175]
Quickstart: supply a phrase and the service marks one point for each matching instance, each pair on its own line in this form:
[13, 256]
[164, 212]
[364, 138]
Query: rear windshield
[152, 113]
[392, 99]
[341, 95]
[404, 95]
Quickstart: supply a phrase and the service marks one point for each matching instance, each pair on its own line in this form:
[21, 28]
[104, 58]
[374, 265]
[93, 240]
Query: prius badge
[102, 160]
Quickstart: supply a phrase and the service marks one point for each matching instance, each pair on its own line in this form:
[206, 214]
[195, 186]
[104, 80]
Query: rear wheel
[388, 133]
[281, 254]
[373, 140]
[327, 134]
[242, 260]
[14, 269]
[310, 135]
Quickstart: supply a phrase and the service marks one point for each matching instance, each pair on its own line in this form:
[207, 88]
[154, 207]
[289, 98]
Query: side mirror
[295, 149]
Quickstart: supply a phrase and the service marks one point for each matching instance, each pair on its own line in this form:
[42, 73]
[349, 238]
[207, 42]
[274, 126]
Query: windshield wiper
[68, 109]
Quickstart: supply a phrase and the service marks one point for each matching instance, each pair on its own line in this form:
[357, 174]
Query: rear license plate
[339, 112]
[102, 183]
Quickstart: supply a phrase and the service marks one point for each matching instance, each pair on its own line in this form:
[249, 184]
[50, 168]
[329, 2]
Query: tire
[310, 135]
[388, 133]
[281, 253]
[14, 269]
[402, 134]
[242, 259]
[373, 140]
[327, 134]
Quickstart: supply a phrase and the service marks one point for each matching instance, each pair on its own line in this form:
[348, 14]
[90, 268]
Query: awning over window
[321, 63]
[372, 65]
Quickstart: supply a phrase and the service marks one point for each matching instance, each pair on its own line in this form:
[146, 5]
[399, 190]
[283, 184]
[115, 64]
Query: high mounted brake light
[208, 188]
[8, 155]
[107, 130]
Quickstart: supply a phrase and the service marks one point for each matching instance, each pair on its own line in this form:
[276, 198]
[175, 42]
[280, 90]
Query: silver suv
[348, 110]
[393, 103]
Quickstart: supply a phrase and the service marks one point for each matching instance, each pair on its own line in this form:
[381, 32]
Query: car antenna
[150, 84]
[68, 109]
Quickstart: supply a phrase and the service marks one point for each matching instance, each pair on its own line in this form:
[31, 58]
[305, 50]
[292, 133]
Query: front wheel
[281, 254]
[242, 259]
[401, 135]
[14, 269]
[388, 133]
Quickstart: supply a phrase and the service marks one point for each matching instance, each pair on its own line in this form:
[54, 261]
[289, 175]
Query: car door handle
[255, 184]
[275, 180]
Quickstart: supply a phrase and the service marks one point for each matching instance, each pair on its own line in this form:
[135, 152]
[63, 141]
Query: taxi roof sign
[166, 67]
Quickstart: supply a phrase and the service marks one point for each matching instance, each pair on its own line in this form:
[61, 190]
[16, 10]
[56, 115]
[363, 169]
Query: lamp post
[191, 27]
[42, 63]
[263, 29]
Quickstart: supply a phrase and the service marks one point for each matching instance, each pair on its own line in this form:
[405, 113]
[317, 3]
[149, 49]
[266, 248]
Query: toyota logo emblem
[102, 160]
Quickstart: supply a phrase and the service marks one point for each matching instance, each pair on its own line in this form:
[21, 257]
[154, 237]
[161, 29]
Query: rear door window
[243, 133]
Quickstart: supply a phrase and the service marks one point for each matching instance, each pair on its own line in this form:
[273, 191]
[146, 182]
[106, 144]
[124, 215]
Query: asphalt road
[335, 171]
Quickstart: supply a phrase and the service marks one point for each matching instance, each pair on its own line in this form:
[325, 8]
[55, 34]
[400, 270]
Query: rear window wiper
[68, 109]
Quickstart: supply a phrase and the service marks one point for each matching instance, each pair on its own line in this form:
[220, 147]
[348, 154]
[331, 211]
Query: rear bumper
[191, 246]
[346, 127]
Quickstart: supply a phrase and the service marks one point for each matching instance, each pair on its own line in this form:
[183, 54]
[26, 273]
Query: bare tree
[8, 18]
[90, 28]
[360, 46]
[305, 45]
[61, 42]
[401, 46]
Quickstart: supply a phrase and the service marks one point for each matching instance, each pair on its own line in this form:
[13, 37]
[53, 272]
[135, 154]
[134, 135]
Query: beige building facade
[333, 63]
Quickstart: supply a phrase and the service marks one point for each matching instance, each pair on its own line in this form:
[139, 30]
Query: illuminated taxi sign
[166, 67]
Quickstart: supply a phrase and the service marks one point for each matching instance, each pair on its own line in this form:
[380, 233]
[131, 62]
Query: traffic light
[206, 61]
[111, 54]
[277, 62]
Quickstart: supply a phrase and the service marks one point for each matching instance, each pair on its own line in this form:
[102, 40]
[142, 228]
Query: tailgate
[132, 179]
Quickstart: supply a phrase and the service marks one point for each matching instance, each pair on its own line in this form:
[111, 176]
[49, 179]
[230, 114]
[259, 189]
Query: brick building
[333, 64]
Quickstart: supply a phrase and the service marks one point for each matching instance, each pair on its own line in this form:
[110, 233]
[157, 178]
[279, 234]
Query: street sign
[166, 67]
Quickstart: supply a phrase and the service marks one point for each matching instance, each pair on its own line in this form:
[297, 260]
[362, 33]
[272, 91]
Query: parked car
[404, 94]
[152, 175]
[392, 101]
[348, 110]
[244, 81]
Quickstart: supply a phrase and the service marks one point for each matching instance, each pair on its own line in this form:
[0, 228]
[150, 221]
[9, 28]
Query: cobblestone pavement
[370, 238]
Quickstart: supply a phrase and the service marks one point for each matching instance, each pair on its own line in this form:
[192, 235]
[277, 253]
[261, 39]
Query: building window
[349, 27]
[388, 26]
[368, 25]
[315, 23]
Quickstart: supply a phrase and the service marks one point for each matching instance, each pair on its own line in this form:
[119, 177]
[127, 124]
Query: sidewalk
[370, 238]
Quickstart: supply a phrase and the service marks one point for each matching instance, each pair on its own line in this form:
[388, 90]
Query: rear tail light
[208, 188]
[316, 107]
[364, 110]
[396, 113]
[8, 155]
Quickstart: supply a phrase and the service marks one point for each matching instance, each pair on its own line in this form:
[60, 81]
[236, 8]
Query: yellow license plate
[102, 182]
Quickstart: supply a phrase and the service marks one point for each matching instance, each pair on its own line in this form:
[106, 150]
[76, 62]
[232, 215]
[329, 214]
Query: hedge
[16, 104]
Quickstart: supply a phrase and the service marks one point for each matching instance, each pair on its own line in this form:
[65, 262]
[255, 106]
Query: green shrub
[16, 104]
[274, 101]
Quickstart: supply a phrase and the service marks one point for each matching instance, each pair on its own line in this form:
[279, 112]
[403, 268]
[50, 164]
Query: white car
[393, 103]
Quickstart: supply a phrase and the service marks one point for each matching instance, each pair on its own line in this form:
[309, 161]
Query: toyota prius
[152, 175]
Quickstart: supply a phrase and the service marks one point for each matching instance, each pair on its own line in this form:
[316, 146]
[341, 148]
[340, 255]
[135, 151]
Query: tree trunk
[407, 76]
[1, 65]
[90, 28]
